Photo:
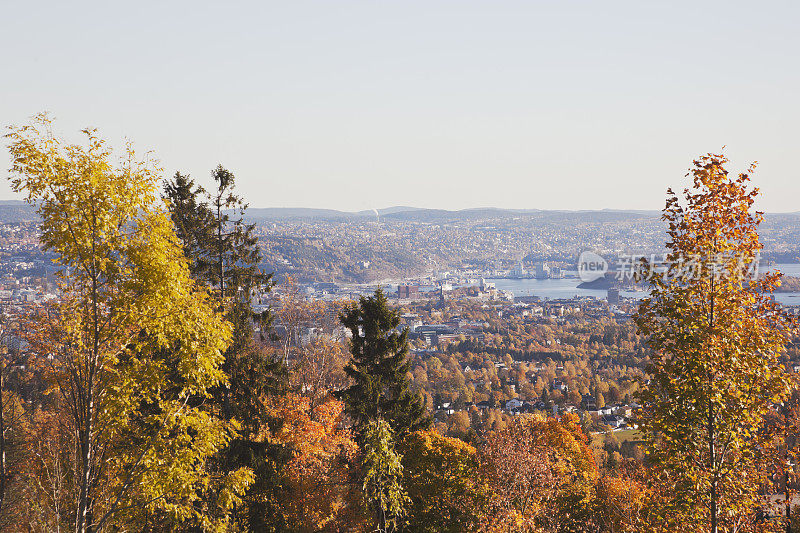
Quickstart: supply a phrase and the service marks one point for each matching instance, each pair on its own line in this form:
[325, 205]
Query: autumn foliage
[541, 474]
[315, 479]
[441, 476]
[152, 396]
[717, 341]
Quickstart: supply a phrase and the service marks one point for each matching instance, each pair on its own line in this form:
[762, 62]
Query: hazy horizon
[454, 105]
[403, 208]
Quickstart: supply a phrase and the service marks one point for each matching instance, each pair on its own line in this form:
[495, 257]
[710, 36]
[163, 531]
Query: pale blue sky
[451, 104]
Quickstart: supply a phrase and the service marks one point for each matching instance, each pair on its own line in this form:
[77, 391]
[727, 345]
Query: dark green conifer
[224, 256]
[379, 369]
[193, 220]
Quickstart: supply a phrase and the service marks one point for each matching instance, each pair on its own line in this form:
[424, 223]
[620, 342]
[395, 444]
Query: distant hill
[284, 213]
[310, 213]
[405, 213]
[17, 211]
[443, 215]
[418, 214]
[391, 210]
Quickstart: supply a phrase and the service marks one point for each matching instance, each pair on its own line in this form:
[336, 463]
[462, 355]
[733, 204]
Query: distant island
[610, 281]
[789, 284]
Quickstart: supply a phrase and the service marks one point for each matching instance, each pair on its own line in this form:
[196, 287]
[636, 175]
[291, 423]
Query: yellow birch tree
[133, 345]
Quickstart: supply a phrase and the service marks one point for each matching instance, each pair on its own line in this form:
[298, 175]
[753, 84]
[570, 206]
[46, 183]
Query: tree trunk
[711, 426]
[712, 450]
[83, 521]
[82, 524]
[2, 441]
[220, 252]
[787, 495]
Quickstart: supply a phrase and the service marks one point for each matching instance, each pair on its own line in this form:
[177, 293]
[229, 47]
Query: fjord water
[568, 286]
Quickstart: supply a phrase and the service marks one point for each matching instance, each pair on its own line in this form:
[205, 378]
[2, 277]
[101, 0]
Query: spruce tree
[379, 369]
[234, 269]
[224, 253]
[223, 248]
[192, 218]
[225, 257]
